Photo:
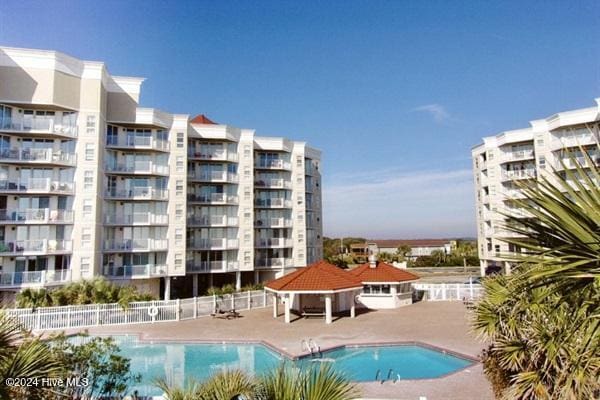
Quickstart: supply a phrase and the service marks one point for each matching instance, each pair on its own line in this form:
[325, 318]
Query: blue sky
[394, 93]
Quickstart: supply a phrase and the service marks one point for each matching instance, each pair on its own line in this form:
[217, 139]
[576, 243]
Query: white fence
[67, 317]
[449, 291]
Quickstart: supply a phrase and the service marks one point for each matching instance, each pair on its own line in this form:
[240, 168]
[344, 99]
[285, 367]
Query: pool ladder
[389, 376]
[310, 346]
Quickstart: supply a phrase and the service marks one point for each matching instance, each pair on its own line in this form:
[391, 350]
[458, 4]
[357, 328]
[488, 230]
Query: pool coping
[473, 360]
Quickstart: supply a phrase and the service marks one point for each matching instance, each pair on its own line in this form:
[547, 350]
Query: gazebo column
[275, 312]
[353, 307]
[328, 313]
[288, 306]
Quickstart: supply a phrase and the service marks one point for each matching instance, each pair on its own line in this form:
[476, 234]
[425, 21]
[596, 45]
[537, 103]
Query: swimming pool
[178, 362]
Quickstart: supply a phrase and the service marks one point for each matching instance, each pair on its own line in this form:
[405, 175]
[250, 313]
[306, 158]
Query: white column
[328, 313]
[210, 280]
[256, 277]
[238, 280]
[507, 268]
[353, 309]
[287, 309]
[167, 288]
[482, 267]
[275, 311]
[195, 285]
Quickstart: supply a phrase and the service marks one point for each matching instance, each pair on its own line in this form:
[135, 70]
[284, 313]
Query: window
[247, 237]
[88, 180]
[90, 149]
[178, 261]
[90, 125]
[178, 236]
[112, 135]
[247, 257]
[247, 172]
[179, 212]
[299, 160]
[179, 188]
[180, 167]
[247, 151]
[376, 289]
[247, 193]
[87, 207]
[86, 237]
[540, 142]
[542, 161]
[180, 140]
[85, 265]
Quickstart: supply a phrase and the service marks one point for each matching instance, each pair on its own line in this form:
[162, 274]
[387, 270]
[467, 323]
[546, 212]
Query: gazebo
[318, 289]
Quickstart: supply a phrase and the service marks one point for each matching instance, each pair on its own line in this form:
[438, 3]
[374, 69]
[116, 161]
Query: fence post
[214, 303]
[443, 291]
[233, 301]
[457, 291]
[264, 298]
[195, 307]
[69, 317]
[97, 314]
[39, 320]
[471, 289]
[249, 300]
[177, 309]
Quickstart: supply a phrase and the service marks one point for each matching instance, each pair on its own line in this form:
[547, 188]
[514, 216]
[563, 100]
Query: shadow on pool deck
[441, 324]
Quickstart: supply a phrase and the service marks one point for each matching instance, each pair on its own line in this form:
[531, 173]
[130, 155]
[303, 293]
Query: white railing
[212, 220]
[36, 185]
[139, 167]
[138, 193]
[274, 222]
[581, 137]
[137, 142]
[210, 198]
[68, 317]
[136, 218]
[39, 246]
[519, 174]
[274, 262]
[217, 155]
[449, 291]
[215, 176]
[136, 244]
[273, 164]
[274, 202]
[273, 183]
[34, 278]
[36, 215]
[517, 155]
[212, 244]
[37, 156]
[212, 266]
[41, 124]
[134, 271]
[274, 242]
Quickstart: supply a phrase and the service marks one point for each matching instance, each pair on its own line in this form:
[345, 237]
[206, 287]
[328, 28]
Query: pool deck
[439, 324]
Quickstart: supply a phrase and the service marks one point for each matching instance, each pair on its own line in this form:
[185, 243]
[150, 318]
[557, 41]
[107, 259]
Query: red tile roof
[202, 119]
[320, 276]
[382, 273]
[411, 242]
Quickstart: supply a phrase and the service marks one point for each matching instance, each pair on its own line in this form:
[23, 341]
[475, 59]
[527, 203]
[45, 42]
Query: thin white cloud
[407, 204]
[437, 111]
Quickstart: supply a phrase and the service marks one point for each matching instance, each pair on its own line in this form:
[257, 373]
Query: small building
[418, 247]
[321, 289]
[384, 286]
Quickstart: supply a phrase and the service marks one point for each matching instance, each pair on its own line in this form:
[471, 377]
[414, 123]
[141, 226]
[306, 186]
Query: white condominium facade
[525, 155]
[91, 184]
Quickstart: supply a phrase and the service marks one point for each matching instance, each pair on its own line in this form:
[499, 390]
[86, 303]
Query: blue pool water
[179, 362]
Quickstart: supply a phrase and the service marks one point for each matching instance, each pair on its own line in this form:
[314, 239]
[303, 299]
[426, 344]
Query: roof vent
[372, 255]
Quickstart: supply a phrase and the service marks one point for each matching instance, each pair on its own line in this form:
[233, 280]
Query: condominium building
[525, 155]
[91, 184]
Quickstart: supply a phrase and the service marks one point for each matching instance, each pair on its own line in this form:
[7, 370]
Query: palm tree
[33, 298]
[224, 385]
[23, 356]
[543, 322]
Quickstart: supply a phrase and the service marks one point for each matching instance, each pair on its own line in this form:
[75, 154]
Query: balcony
[138, 218]
[144, 271]
[137, 193]
[273, 203]
[211, 266]
[126, 245]
[274, 263]
[273, 164]
[581, 137]
[219, 155]
[215, 176]
[37, 156]
[212, 198]
[577, 161]
[39, 125]
[517, 155]
[212, 220]
[36, 216]
[529, 173]
[212, 244]
[137, 143]
[138, 168]
[36, 185]
[273, 184]
[34, 278]
[510, 194]
[274, 242]
[274, 223]
[35, 247]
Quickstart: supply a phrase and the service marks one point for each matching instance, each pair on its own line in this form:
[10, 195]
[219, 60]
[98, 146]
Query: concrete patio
[441, 324]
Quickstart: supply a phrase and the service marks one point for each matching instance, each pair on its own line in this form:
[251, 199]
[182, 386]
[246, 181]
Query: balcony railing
[212, 198]
[219, 155]
[136, 245]
[36, 247]
[275, 202]
[39, 125]
[135, 271]
[36, 216]
[274, 242]
[582, 138]
[36, 185]
[518, 155]
[215, 176]
[274, 222]
[141, 218]
[37, 156]
[212, 266]
[34, 278]
[273, 183]
[581, 161]
[138, 193]
[213, 220]
[274, 262]
[139, 167]
[273, 164]
[519, 174]
[212, 244]
[137, 142]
